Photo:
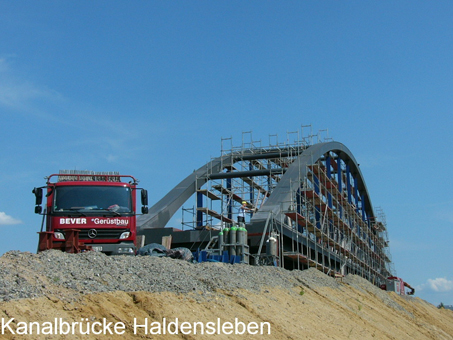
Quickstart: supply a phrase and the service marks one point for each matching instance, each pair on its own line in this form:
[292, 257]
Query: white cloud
[31, 98]
[440, 285]
[3, 65]
[111, 158]
[445, 215]
[8, 220]
[24, 96]
[375, 160]
[406, 245]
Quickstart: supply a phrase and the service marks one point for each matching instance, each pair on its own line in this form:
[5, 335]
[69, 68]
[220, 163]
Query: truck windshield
[88, 198]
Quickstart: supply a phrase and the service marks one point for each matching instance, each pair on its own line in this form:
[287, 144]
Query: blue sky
[149, 88]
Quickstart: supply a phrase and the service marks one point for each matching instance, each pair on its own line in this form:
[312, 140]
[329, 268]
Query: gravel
[360, 283]
[66, 276]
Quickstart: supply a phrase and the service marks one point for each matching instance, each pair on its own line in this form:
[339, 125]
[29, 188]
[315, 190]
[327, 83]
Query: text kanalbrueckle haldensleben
[86, 326]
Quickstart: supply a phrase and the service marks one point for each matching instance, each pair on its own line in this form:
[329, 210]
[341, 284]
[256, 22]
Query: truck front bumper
[123, 248]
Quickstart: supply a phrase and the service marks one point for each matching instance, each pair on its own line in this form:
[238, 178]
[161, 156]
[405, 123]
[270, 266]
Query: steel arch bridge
[312, 199]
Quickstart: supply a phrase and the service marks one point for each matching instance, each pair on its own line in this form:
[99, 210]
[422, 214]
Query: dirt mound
[199, 301]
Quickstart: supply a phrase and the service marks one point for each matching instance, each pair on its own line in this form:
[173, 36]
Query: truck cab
[89, 211]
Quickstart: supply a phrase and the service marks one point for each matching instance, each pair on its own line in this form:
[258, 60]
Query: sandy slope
[346, 312]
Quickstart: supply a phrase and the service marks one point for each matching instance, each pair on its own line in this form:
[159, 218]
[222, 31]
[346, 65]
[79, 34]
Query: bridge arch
[298, 170]
[161, 212]
[312, 197]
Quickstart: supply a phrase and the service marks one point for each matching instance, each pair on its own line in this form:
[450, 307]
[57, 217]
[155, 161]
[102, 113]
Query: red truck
[87, 210]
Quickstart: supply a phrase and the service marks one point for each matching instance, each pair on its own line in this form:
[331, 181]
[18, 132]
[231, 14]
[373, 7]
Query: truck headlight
[125, 250]
[125, 235]
[58, 235]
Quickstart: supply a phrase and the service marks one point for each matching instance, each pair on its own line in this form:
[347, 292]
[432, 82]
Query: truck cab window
[87, 198]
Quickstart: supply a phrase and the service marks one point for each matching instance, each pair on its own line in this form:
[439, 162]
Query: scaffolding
[327, 222]
[218, 201]
[330, 229]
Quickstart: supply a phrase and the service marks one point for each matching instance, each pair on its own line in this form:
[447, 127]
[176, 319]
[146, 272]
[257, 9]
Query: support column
[356, 200]
[230, 203]
[252, 196]
[340, 184]
[317, 211]
[199, 213]
[363, 207]
[348, 183]
[329, 176]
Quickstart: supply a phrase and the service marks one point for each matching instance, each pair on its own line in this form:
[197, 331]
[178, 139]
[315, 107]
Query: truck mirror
[144, 197]
[144, 210]
[38, 195]
[38, 209]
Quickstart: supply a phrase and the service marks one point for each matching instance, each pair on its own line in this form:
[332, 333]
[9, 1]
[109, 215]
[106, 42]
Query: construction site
[295, 204]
